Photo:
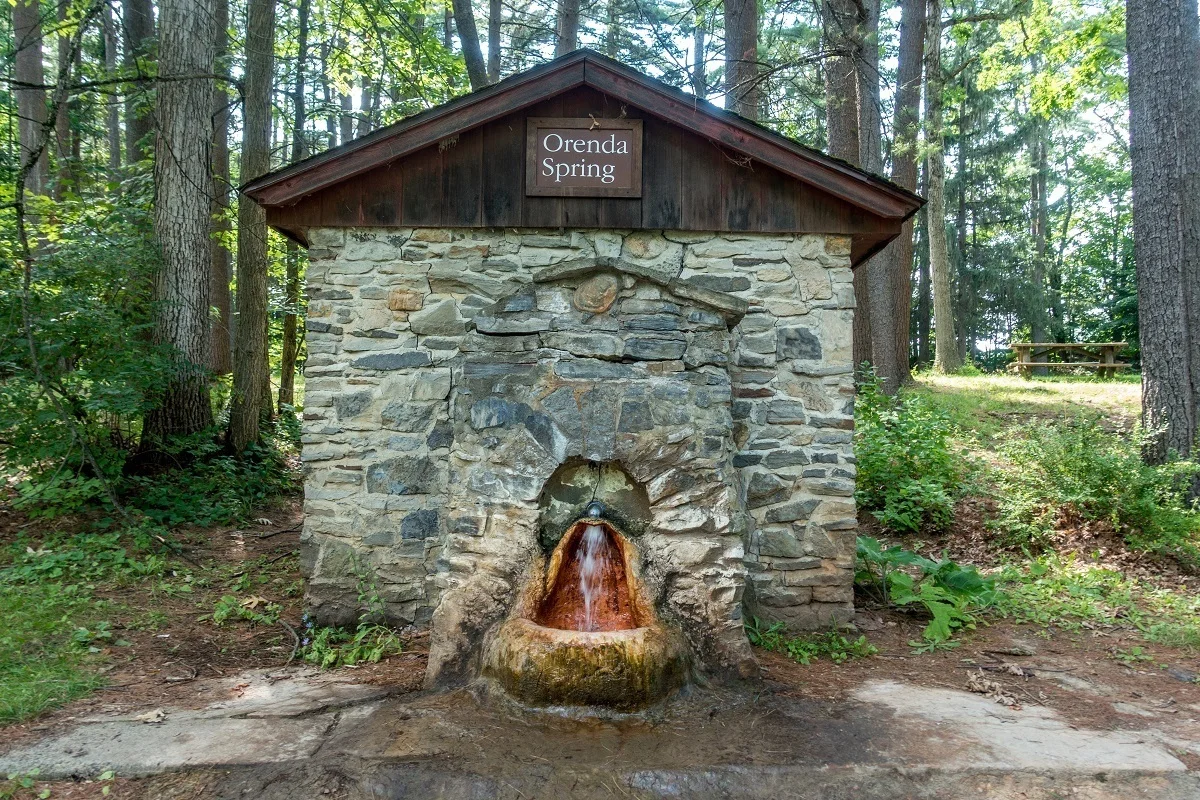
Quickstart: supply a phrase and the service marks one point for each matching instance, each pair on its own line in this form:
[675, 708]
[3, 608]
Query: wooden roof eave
[291, 184]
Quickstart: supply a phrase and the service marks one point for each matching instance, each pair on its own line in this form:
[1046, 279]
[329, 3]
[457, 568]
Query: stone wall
[450, 372]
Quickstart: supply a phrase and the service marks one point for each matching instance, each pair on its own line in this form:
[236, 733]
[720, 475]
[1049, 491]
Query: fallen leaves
[979, 683]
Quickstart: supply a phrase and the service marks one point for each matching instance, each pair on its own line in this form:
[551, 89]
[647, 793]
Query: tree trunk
[287, 361]
[742, 90]
[495, 16]
[882, 325]
[898, 256]
[699, 78]
[468, 36]
[841, 25]
[138, 19]
[182, 216]
[1038, 220]
[219, 278]
[1164, 133]
[248, 404]
[566, 27]
[113, 112]
[346, 123]
[946, 356]
[612, 29]
[924, 295]
[62, 119]
[31, 102]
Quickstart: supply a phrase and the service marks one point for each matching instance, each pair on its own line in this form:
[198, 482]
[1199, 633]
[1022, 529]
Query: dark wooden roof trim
[289, 185]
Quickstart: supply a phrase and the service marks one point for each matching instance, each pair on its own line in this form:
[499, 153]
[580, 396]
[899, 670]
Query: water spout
[592, 556]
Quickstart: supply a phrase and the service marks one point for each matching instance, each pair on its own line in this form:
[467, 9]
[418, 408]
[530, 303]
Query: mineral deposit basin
[588, 635]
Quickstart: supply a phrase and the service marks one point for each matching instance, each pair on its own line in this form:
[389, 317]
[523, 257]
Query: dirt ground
[174, 662]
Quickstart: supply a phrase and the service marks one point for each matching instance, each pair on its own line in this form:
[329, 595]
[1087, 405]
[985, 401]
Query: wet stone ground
[299, 733]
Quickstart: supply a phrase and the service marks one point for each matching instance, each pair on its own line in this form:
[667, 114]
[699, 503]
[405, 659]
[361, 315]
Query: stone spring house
[474, 336]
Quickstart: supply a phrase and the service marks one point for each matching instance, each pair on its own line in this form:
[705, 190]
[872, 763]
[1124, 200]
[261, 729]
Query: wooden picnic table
[1101, 356]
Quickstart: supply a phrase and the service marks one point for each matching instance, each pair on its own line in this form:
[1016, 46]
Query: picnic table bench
[1101, 356]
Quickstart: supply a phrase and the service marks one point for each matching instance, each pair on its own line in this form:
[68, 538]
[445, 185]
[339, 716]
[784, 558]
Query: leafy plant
[370, 640]
[908, 474]
[805, 649]
[1077, 468]
[950, 594]
[254, 609]
[20, 784]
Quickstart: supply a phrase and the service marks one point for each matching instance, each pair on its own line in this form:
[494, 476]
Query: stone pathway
[279, 732]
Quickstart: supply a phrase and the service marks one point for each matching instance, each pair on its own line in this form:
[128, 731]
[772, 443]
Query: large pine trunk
[742, 90]
[842, 33]
[31, 102]
[63, 162]
[251, 367]
[946, 356]
[113, 114]
[882, 323]
[495, 16]
[290, 344]
[221, 265]
[468, 36]
[566, 27]
[899, 254]
[138, 22]
[1164, 133]
[181, 217]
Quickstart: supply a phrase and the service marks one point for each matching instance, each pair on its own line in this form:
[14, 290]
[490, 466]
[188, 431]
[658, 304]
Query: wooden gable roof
[461, 164]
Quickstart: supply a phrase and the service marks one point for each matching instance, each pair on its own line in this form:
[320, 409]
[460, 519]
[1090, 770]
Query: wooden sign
[583, 157]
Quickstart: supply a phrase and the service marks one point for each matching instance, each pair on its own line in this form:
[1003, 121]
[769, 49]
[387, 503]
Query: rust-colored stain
[564, 605]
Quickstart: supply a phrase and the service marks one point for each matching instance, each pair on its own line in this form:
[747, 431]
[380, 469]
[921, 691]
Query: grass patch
[1074, 596]
[43, 663]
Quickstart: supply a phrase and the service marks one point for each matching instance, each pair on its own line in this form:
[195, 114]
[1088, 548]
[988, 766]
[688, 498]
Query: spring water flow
[592, 560]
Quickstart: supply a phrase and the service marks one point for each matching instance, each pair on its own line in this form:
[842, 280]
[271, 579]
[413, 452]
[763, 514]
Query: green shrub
[951, 594]
[806, 648]
[908, 474]
[1078, 468]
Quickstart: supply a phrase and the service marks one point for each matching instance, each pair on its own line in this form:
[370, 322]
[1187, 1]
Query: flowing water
[592, 557]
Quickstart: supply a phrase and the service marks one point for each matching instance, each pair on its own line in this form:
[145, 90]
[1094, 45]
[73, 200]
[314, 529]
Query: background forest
[147, 317]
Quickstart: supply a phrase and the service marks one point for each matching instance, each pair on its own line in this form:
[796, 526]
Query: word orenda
[584, 167]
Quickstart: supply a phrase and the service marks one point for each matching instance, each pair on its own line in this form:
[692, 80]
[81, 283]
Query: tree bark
[742, 90]
[113, 111]
[882, 325]
[946, 355]
[1164, 133]
[468, 36]
[138, 19]
[842, 33]
[346, 122]
[182, 217]
[612, 30]
[898, 256]
[62, 120]
[495, 16]
[32, 112]
[290, 344]
[699, 78]
[566, 27]
[248, 405]
[221, 265]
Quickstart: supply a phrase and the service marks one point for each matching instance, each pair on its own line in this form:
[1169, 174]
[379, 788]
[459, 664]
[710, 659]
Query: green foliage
[908, 474]
[22, 784]
[807, 648]
[952, 595]
[337, 647]
[42, 662]
[254, 609]
[1070, 595]
[370, 641]
[1077, 468]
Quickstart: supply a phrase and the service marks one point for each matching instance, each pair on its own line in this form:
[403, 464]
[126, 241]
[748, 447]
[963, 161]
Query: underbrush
[909, 472]
[953, 596]
[1074, 596]
[53, 629]
[1077, 470]
[807, 648]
